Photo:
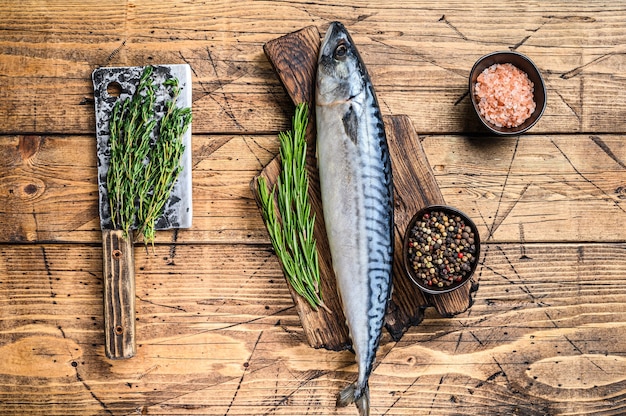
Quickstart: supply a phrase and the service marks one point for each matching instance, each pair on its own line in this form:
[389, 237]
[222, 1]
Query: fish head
[341, 74]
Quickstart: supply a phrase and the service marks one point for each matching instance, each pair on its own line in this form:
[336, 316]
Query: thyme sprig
[291, 229]
[142, 169]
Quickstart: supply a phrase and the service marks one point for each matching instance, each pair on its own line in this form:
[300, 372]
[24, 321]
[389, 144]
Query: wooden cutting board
[294, 57]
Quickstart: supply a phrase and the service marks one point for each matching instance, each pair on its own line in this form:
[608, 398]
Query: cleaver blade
[110, 85]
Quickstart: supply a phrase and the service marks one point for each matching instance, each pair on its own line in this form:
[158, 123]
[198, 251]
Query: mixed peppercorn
[441, 249]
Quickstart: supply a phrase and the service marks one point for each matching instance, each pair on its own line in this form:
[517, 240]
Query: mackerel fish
[357, 198]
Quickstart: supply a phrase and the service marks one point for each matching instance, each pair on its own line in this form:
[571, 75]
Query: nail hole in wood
[116, 254]
[119, 330]
[114, 89]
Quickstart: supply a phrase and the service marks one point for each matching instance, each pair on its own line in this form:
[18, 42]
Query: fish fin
[347, 396]
[351, 124]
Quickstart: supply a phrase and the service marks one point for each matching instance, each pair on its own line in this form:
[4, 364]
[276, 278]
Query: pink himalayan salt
[505, 95]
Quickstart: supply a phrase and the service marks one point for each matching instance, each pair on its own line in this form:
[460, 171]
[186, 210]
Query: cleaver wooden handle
[119, 295]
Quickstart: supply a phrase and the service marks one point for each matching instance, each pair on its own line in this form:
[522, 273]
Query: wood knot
[17, 187]
[30, 189]
[117, 254]
[29, 146]
[119, 330]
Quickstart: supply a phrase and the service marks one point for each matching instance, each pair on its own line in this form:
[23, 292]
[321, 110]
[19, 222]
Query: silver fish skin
[357, 198]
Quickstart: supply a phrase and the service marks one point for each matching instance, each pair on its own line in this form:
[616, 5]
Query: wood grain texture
[419, 56]
[118, 274]
[217, 330]
[294, 58]
[223, 337]
[535, 188]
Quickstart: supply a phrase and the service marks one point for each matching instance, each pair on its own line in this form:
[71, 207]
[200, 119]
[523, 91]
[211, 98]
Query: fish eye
[340, 51]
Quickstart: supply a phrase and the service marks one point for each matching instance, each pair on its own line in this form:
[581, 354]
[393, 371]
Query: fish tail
[359, 396]
[363, 402]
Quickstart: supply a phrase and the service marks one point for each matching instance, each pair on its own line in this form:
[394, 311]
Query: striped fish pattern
[357, 197]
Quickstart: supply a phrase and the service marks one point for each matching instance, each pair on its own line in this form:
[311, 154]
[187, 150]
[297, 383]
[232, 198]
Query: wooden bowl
[408, 257]
[525, 64]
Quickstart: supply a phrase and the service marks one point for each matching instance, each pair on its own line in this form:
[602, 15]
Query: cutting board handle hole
[114, 89]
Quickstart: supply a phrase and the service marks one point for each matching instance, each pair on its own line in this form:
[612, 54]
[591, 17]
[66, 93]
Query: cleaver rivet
[119, 330]
[116, 254]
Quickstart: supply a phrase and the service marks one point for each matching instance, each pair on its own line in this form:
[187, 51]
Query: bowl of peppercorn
[441, 249]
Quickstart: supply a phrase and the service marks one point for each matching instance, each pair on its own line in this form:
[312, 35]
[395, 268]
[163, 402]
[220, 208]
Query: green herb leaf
[287, 213]
[146, 153]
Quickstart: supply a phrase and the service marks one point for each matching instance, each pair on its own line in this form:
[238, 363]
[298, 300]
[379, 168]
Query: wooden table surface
[217, 331]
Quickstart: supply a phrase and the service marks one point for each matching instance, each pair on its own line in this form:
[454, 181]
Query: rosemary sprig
[291, 229]
[143, 170]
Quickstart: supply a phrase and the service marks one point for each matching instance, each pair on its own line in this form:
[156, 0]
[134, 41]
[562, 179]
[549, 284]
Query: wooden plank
[222, 337]
[538, 188]
[219, 333]
[419, 57]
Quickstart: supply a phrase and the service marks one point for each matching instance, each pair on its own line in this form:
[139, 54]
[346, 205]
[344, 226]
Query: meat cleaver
[110, 85]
